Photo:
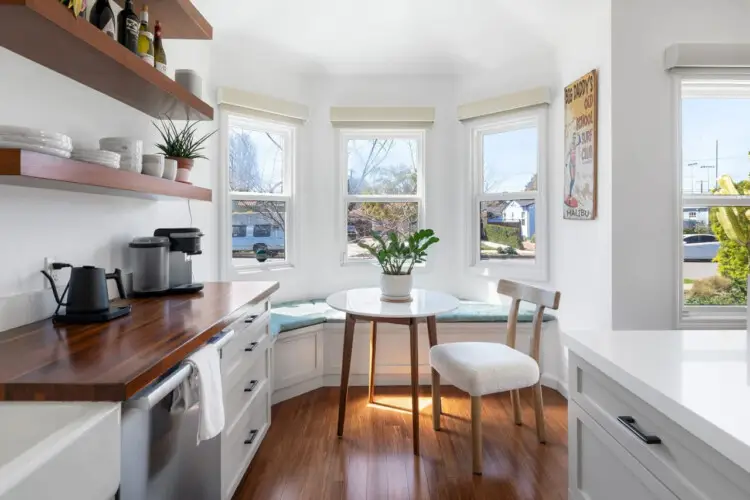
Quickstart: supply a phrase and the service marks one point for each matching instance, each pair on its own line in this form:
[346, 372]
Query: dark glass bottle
[128, 25]
[103, 17]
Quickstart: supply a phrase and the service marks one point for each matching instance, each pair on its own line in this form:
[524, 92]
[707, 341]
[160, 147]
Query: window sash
[346, 135]
[285, 130]
[230, 267]
[536, 268]
[703, 83]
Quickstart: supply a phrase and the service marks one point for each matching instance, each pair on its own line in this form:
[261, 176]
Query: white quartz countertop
[700, 379]
[33, 433]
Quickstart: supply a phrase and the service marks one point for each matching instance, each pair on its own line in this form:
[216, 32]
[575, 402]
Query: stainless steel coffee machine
[163, 264]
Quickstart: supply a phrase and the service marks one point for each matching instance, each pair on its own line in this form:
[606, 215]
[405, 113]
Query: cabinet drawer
[687, 466]
[602, 469]
[245, 385]
[245, 335]
[239, 445]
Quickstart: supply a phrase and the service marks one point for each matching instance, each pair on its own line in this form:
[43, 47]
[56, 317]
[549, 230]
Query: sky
[510, 160]
[704, 121]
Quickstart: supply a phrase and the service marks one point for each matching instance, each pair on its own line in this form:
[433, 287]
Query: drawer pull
[252, 386]
[629, 422]
[251, 318]
[251, 437]
[251, 347]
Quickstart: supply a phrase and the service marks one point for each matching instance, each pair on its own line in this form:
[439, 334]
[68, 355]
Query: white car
[699, 247]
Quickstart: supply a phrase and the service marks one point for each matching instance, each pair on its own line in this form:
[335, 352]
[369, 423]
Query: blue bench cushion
[288, 316]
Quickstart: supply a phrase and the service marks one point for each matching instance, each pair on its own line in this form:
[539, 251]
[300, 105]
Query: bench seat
[287, 316]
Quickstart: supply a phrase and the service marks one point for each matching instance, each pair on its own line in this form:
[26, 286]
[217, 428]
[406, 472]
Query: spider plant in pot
[397, 256]
[183, 145]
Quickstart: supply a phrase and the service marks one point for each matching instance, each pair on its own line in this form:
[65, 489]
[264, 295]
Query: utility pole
[717, 163]
[708, 177]
[692, 175]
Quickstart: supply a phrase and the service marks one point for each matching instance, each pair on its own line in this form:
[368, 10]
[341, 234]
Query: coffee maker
[157, 274]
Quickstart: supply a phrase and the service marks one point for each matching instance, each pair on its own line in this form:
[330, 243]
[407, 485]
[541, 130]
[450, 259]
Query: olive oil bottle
[145, 39]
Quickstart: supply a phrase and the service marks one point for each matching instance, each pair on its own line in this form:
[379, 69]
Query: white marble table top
[700, 379]
[366, 302]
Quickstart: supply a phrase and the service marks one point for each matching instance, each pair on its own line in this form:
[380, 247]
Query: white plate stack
[129, 149]
[104, 158]
[33, 139]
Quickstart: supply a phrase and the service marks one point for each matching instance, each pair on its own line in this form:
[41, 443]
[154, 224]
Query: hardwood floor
[301, 457]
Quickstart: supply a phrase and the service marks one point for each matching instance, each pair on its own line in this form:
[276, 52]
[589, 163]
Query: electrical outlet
[55, 273]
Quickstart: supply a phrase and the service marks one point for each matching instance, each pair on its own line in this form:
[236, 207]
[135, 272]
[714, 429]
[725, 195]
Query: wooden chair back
[539, 296]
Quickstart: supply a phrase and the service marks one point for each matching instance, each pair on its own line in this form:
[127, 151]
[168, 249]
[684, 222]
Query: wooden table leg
[373, 341]
[437, 406]
[414, 336]
[346, 364]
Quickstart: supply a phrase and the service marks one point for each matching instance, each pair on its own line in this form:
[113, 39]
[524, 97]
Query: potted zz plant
[182, 145]
[397, 256]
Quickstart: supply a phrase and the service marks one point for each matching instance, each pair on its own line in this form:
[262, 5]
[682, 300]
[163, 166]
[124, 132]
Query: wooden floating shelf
[179, 18]
[31, 169]
[47, 33]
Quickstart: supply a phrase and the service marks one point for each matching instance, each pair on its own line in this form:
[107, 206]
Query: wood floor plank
[302, 459]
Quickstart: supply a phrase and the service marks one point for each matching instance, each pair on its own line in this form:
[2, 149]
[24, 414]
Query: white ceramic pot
[183, 175]
[747, 313]
[396, 286]
[170, 169]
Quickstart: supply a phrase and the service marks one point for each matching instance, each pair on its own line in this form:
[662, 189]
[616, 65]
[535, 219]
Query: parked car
[699, 247]
[269, 237]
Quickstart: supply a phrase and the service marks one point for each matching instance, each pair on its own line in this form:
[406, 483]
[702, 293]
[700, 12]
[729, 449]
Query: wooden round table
[364, 304]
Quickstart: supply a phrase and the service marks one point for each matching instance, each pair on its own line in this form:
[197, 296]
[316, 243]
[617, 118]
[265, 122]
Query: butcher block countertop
[113, 361]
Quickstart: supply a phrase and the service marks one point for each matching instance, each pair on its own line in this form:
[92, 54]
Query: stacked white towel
[203, 386]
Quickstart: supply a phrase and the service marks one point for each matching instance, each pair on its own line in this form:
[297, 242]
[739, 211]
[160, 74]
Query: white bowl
[153, 169]
[170, 169]
[126, 145]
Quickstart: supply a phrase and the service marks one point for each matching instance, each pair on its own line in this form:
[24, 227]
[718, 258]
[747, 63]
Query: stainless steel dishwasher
[161, 459]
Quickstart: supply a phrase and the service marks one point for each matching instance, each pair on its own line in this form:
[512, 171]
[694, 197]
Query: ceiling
[391, 36]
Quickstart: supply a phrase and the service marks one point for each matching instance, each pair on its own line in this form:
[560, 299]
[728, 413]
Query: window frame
[538, 270]
[702, 317]
[229, 268]
[344, 135]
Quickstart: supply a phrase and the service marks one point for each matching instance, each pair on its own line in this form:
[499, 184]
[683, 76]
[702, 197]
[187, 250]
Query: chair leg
[515, 399]
[435, 405]
[476, 433]
[539, 413]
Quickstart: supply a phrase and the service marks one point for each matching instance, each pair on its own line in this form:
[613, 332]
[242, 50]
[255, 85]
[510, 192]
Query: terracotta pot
[184, 166]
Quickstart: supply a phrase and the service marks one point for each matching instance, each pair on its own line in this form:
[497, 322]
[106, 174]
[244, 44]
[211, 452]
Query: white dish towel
[203, 385]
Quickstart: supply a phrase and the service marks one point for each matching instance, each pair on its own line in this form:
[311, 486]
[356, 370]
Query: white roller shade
[399, 117]
[503, 103]
[707, 55]
[262, 105]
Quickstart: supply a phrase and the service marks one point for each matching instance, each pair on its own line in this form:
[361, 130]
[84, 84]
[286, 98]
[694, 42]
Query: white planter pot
[747, 312]
[396, 286]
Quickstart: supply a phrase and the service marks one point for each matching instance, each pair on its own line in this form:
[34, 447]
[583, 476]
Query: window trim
[538, 270]
[344, 135]
[228, 269]
[701, 317]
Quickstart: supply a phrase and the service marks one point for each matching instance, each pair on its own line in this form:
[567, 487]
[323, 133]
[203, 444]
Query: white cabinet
[246, 378]
[599, 468]
[610, 458]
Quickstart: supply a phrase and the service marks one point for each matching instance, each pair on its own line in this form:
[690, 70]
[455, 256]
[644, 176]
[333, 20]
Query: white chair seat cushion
[481, 368]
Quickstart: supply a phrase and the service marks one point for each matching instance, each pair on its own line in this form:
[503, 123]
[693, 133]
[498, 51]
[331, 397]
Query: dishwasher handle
[153, 395]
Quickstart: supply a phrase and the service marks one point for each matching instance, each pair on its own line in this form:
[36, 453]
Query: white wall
[644, 211]
[82, 228]
[581, 250]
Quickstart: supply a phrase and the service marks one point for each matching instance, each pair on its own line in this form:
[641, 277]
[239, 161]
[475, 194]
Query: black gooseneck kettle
[87, 295]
